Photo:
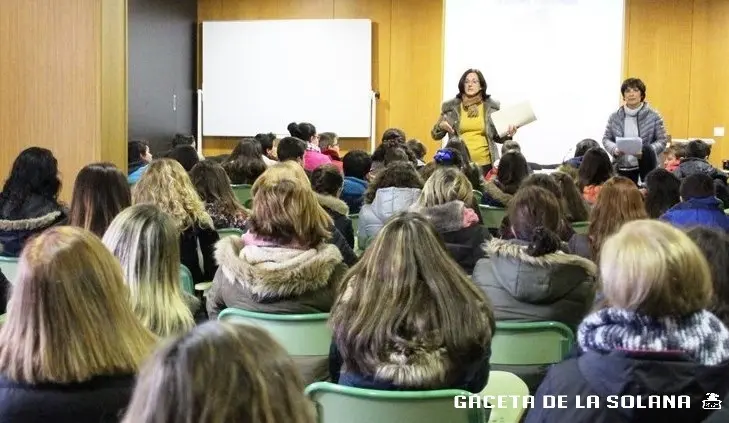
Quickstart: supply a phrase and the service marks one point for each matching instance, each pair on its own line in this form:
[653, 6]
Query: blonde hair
[446, 184]
[220, 372]
[147, 244]
[69, 317]
[653, 268]
[166, 184]
[282, 170]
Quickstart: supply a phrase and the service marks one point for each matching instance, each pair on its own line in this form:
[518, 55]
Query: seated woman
[410, 318]
[313, 156]
[327, 181]
[594, 171]
[468, 167]
[662, 192]
[29, 200]
[71, 345]
[245, 164]
[93, 208]
[656, 337]
[714, 244]
[575, 208]
[329, 146]
[213, 185]
[145, 240]
[395, 188]
[513, 169]
[580, 150]
[167, 185]
[446, 202]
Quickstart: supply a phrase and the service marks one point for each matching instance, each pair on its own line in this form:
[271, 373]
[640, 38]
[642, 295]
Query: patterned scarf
[470, 104]
[312, 147]
[701, 335]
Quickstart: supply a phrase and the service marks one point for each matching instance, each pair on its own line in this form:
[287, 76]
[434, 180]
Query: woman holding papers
[636, 119]
[468, 116]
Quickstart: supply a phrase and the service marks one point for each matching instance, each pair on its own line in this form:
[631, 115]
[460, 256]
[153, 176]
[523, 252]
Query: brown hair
[254, 380]
[245, 163]
[575, 208]
[396, 174]
[69, 317]
[327, 180]
[619, 202]
[536, 215]
[213, 185]
[100, 192]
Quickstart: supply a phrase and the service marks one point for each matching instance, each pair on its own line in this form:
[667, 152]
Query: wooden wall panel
[114, 116]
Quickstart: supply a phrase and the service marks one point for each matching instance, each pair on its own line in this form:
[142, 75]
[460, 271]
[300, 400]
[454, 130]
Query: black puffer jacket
[36, 214]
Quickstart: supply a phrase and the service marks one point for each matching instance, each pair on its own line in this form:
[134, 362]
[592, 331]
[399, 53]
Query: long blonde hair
[146, 242]
[166, 184]
[220, 372]
[445, 185]
[69, 317]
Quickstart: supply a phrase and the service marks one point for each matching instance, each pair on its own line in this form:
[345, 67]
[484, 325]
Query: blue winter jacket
[700, 211]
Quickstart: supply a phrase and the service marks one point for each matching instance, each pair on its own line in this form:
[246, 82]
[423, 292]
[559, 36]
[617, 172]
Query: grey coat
[450, 111]
[650, 129]
[387, 202]
[558, 286]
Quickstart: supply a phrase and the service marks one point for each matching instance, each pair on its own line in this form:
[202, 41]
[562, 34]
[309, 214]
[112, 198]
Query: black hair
[461, 147]
[303, 131]
[327, 180]
[394, 134]
[584, 145]
[245, 164]
[182, 139]
[595, 168]
[635, 84]
[291, 148]
[135, 150]
[266, 141]
[697, 185]
[34, 172]
[512, 171]
[697, 149]
[327, 140]
[481, 80]
[714, 244]
[664, 192]
[357, 164]
[417, 148]
[186, 155]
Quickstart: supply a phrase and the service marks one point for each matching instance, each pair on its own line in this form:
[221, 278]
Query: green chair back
[492, 216]
[477, 196]
[226, 232]
[248, 204]
[580, 227]
[505, 383]
[337, 404]
[530, 343]
[188, 285]
[3, 317]
[9, 267]
[355, 224]
[299, 334]
[242, 193]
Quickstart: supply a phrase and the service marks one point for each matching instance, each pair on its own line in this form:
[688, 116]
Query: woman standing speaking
[468, 117]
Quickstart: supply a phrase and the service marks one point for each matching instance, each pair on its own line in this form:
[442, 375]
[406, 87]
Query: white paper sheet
[631, 145]
[518, 115]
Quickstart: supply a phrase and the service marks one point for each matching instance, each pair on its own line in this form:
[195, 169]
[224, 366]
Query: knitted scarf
[470, 104]
[701, 335]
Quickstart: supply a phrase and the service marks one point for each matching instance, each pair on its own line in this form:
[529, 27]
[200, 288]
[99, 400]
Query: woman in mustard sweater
[468, 117]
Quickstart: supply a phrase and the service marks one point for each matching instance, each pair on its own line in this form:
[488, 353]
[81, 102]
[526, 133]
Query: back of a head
[395, 155]
[247, 148]
[245, 163]
[449, 157]
[186, 155]
[291, 148]
[327, 140]
[93, 208]
[303, 131]
[714, 244]
[327, 180]
[663, 192]
[53, 333]
[461, 147]
[576, 209]
[183, 139]
[584, 145]
[34, 172]
[698, 185]
[266, 141]
[446, 184]
[512, 171]
[595, 168]
[417, 147]
[213, 185]
[174, 384]
[654, 269]
[510, 145]
[383, 150]
[619, 202]
[357, 164]
[397, 175]
[535, 215]
[698, 149]
[394, 134]
[545, 181]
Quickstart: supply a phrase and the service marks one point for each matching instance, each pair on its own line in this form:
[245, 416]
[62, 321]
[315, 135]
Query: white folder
[518, 115]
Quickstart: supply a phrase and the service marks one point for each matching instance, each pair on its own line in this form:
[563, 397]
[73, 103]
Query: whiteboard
[258, 76]
[564, 56]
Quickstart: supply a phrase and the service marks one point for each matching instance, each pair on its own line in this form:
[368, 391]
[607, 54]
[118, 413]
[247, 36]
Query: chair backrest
[530, 343]
[299, 334]
[336, 404]
[188, 285]
[242, 193]
[9, 267]
[477, 196]
[580, 227]
[226, 232]
[492, 216]
[355, 224]
[507, 384]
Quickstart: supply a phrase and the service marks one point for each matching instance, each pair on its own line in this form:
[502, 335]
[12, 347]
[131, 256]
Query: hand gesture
[511, 130]
[444, 125]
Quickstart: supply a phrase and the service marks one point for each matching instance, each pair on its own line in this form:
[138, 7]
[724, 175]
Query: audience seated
[580, 150]
[100, 192]
[513, 169]
[329, 145]
[291, 149]
[313, 156]
[714, 244]
[394, 188]
[468, 167]
[186, 155]
[268, 143]
[695, 161]
[447, 201]
[418, 148]
[326, 181]
[409, 318]
[139, 158]
[187, 140]
[245, 163]
[145, 240]
[213, 185]
[673, 155]
[167, 185]
[392, 138]
[662, 192]
[29, 200]
[698, 206]
[357, 165]
[575, 208]
[71, 345]
[656, 337]
[220, 372]
[594, 171]
[507, 146]
[619, 202]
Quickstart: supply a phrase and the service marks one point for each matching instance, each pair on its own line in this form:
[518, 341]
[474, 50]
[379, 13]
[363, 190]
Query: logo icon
[712, 402]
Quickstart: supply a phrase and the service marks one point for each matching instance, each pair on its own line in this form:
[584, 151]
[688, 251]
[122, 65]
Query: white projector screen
[564, 56]
[258, 76]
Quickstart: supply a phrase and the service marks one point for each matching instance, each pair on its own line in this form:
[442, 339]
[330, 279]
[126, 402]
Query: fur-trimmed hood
[333, 204]
[446, 217]
[276, 272]
[493, 191]
[31, 224]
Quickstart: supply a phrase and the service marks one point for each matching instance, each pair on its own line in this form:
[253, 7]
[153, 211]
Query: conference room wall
[407, 62]
[680, 48]
[63, 82]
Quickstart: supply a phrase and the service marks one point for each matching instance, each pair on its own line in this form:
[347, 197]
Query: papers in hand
[517, 115]
[630, 145]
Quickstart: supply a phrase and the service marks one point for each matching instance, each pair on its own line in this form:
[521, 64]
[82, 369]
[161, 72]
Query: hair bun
[544, 241]
[293, 128]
